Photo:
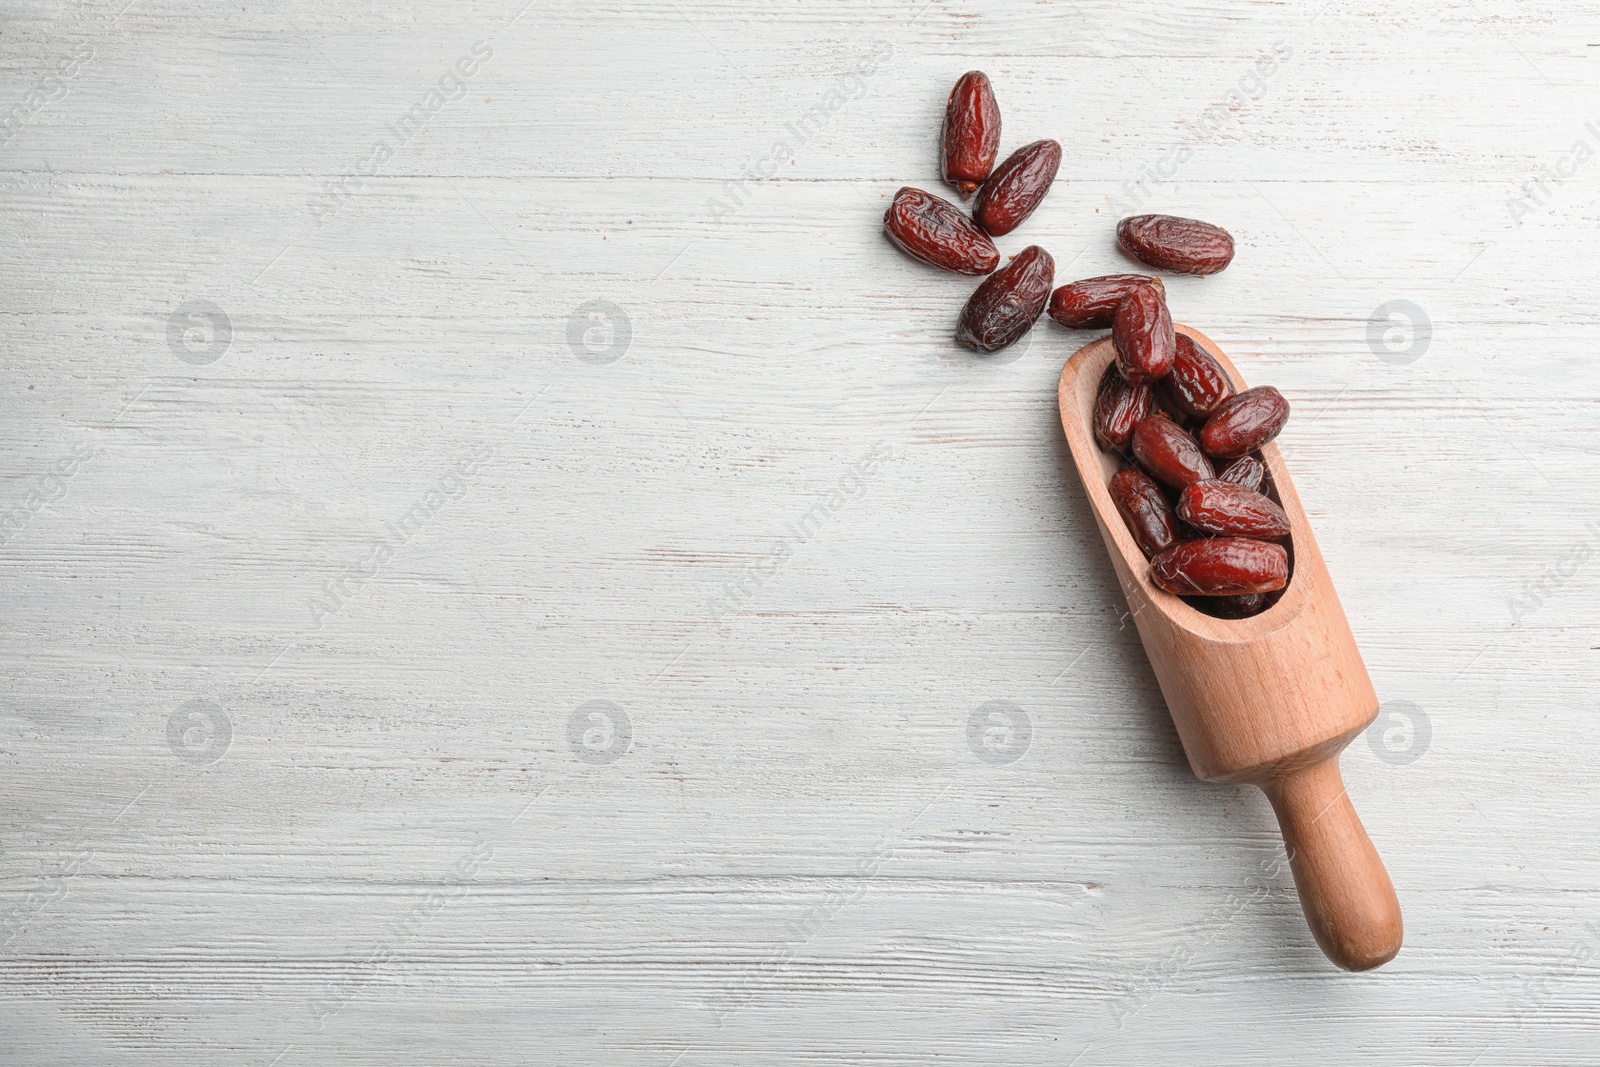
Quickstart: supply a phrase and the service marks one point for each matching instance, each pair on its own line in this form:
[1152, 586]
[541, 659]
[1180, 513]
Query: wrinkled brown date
[1008, 302]
[971, 137]
[1091, 303]
[1221, 566]
[1142, 333]
[1169, 453]
[1017, 186]
[1197, 383]
[938, 233]
[1145, 509]
[1118, 407]
[1244, 423]
[1241, 606]
[1246, 471]
[1183, 246]
[1227, 510]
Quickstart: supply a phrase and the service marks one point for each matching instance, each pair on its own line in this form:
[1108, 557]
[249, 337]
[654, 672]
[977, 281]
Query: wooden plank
[306, 617]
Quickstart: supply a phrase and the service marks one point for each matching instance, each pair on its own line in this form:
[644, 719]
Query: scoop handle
[1344, 890]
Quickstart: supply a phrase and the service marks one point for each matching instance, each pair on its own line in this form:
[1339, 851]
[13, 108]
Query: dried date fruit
[1183, 246]
[1118, 407]
[1221, 566]
[1143, 335]
[1227, 510]
[1197, 382]
[1144, 508]
[1008, 302]
[1091, 303]
[1017, 186]
[971, 137]
[1169, 453]
[1246, 471]
[1244, 423]
[938, 233]
[1241, 606]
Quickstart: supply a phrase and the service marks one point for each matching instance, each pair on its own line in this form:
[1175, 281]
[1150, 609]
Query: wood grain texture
[795, 535]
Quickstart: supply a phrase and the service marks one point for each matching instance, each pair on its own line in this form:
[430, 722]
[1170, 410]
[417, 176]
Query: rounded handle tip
[1344, 889]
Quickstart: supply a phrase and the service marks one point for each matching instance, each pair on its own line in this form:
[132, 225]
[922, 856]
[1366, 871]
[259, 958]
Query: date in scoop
[1271, 700]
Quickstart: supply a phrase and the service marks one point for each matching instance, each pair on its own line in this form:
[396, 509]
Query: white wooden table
[469, 598]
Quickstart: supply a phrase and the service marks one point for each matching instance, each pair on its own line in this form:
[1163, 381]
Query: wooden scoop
[1271, 700]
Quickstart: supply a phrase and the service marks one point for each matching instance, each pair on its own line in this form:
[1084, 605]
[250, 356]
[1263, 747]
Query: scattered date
[1091, 303]
[1221, 566]
[1143, 336]
[1016, 187]
[937, 232]
[1168, 242]
[971, 137]
[1008, 302]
